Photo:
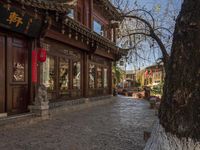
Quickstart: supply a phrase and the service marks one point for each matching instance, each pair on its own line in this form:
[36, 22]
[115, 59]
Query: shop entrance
[13, 75]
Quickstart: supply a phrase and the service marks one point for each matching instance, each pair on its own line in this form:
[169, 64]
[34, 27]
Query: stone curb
[55, 109]
[88, 103]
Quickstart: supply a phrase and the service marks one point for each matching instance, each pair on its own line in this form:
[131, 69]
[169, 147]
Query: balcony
[91, 36]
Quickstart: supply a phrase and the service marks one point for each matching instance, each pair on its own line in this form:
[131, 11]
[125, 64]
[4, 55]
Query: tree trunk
[160, 140]
[180, 108]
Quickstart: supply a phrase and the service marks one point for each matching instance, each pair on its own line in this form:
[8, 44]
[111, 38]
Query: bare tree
[179, 115]
[139, 28]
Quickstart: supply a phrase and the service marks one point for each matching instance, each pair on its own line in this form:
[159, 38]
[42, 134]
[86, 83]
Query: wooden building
[151, 76]
[154, 75]
[78, 37]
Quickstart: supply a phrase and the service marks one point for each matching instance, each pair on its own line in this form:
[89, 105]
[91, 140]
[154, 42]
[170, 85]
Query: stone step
[3, 115]
[77, 101]
[17, 120]
[54, 108]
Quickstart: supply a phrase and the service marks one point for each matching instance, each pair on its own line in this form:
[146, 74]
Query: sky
[162, 8]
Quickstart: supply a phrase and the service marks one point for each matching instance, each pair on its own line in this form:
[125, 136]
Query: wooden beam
[64, 39]
[104, 53]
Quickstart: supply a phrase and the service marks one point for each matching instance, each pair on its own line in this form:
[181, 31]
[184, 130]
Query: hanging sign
[14, 19]
[34, 66]
[42, 54]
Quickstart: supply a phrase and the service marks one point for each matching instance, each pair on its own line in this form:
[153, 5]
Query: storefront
[77, 63]
[14, 73]
[65, 74]
[62, 73]
[17, 33]
[99, 76]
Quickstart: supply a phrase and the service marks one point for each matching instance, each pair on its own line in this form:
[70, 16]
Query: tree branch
[137, 33]
[164, 29]
[152, 35]
[145, 11]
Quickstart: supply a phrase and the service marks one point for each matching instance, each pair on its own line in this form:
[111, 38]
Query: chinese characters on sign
[14, 18]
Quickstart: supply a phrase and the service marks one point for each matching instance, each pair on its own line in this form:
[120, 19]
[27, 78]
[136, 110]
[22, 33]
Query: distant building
[130, 75]
[140, 77]
[129, 79]
[151, 76]
[154, 75]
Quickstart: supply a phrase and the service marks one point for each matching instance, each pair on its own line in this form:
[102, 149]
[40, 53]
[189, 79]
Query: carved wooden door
[17, 75]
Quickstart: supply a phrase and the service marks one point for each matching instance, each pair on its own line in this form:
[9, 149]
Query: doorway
[14, 95]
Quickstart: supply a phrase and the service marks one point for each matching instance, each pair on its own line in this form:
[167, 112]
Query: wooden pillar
[114, 35]
[84, 12]
[108, 29]
[110, 78]
[91, 14]
[70, 76]
[2, 74]
[85, 75]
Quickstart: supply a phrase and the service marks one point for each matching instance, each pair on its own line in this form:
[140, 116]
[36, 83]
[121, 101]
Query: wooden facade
[78, 63]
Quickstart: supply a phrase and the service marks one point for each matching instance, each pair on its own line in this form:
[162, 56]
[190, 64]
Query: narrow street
[116, 126]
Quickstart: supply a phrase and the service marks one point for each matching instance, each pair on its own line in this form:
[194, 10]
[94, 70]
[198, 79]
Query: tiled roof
[109, 8]
[46, 4]
[72, 24]
[63, 5]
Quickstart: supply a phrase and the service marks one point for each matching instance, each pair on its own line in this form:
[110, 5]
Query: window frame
[100, 25]
[71, 13]
[66, 53]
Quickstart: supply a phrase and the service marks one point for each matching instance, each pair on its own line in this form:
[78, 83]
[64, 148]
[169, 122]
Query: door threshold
[17, 116]
[18, 120]
[3, 115]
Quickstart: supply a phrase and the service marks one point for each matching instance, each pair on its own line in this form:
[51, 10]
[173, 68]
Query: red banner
[34, 66]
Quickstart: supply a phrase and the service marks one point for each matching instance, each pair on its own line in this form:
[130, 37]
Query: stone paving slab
[115, 126]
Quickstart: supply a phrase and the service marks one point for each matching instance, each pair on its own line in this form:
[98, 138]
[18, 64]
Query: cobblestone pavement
[116, 126]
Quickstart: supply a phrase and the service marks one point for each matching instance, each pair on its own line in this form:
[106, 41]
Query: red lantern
[42, 54]
[34, 66]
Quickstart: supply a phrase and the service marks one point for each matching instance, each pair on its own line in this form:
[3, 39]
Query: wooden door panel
[17, 72]
[19, 97]
[2, 74]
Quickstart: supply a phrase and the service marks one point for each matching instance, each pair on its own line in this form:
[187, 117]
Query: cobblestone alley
[116, 126]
